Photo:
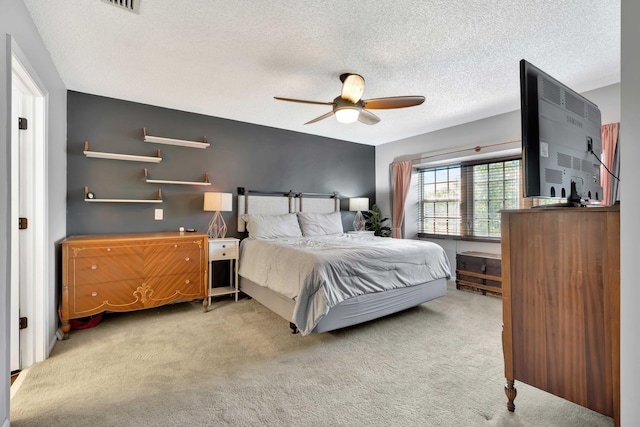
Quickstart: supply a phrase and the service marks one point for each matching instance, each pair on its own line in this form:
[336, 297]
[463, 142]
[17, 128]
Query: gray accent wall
[240, 155]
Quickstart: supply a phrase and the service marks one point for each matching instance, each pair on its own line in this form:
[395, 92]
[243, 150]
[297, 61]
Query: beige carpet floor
[439, 364]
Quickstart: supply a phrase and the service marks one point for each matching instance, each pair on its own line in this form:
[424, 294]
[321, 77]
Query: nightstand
[225, 249]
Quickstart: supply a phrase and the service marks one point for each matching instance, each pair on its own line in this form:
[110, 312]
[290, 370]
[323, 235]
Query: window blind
[465, 200]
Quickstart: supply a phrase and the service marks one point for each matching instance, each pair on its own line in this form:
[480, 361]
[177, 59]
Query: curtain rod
[477, 149]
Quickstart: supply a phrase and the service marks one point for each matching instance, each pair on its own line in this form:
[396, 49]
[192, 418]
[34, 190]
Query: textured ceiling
[229, 58]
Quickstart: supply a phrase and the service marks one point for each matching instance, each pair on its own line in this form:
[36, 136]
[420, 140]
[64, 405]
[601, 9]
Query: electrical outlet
[158, 216]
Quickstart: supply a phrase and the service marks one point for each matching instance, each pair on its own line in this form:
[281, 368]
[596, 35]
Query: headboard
[283, 202]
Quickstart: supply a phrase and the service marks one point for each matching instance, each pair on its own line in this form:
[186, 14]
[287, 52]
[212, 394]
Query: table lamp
[359, 204]
[217, 202]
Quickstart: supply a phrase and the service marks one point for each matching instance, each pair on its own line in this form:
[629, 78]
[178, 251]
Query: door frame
[34, 293]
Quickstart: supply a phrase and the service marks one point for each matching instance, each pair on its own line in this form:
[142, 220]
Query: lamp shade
[359, 204]
[347, 114]
[218, 201]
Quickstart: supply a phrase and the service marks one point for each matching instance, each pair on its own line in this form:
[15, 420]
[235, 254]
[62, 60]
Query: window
[465, 200]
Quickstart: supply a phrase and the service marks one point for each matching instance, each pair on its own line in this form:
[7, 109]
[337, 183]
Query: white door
[28, 287]
[16, 98]
[22, 240]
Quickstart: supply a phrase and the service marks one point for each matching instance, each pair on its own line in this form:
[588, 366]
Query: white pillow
[272, 226]
[317, 224]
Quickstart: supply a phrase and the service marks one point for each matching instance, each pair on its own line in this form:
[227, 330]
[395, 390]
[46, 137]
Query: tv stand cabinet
[561, 304]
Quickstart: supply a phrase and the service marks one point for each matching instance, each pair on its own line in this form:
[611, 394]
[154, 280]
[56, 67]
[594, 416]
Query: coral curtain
[401, 180]
[609, 141]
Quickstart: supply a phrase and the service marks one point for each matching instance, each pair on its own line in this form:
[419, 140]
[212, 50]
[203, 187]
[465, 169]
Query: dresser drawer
[178, 286]
[114, 249]
[173, 245]
[105, 269]
[86, 300]
[170, 262]
[223, 250]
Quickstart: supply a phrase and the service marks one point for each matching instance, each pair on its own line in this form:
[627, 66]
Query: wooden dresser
[561, 304]
[125, 272]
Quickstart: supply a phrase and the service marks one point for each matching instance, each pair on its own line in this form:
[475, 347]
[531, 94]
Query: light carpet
[439, 364]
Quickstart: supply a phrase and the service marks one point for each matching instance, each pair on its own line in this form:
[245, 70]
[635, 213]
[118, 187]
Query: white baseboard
[17, 383]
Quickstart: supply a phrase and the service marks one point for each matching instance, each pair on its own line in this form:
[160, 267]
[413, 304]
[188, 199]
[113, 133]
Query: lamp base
[217, 226]
[359, 222]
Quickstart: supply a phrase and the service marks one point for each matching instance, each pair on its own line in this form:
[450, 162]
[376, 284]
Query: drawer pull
[108, 249]
[94, 267]
[187, 259]
[94, 294]
[175, 246]
[187, 281]
[224, 246]
[224, 254]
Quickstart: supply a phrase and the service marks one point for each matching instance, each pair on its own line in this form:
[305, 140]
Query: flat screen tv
[561, 140]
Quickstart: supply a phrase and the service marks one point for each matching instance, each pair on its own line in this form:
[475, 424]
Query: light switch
[158, 216]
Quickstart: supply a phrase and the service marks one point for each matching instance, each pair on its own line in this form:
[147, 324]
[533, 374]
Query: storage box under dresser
[126, 272]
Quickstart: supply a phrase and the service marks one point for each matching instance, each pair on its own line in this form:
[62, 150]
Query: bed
[299, 263]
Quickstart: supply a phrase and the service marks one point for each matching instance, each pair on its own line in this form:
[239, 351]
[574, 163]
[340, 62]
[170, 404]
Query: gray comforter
[320, 272]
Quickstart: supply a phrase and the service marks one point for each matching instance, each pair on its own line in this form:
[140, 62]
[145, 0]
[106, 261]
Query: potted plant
[375, 222]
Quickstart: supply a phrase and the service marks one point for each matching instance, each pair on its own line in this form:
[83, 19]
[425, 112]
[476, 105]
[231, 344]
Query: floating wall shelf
[170, 141]
[118, 156]
[87, 199]
[167, 181]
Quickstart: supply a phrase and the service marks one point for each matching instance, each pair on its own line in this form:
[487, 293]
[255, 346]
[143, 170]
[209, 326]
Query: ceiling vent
[130, 5]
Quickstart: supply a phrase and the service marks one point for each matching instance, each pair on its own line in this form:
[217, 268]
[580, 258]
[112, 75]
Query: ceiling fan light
[352, 87]
[347, 115]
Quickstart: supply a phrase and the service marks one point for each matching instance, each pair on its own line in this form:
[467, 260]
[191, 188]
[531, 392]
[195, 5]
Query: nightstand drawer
[227, 253]
[223, 249]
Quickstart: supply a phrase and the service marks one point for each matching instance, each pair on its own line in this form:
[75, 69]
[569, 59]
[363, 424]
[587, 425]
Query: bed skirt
[354, 310]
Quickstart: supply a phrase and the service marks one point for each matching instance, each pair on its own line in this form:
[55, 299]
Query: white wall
[492, 130]
[629, 208]
[16, 26]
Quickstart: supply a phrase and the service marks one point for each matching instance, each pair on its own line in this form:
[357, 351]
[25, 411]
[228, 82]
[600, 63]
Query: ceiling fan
[349, 107]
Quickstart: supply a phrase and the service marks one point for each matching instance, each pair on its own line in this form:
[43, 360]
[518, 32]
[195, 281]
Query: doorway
[28, 189]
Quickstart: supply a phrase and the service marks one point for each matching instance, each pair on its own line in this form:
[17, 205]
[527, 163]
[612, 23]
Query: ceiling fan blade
[392, 102]
[303, 101]
[322, 117]
[352, 87]
[368, 118]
